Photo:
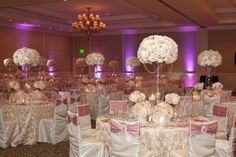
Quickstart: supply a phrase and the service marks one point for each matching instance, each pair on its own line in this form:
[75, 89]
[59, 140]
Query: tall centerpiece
[157, 50]
[26, 57]
[134, 63]
[93, 60]
[82, 67]
[209, 59]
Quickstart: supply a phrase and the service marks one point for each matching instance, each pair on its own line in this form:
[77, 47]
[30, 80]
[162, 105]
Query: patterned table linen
[156, 140]
[28, 117]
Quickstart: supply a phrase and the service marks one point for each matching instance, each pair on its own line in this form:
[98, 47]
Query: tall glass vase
[209, 79]
[92, 72]
[159, 82]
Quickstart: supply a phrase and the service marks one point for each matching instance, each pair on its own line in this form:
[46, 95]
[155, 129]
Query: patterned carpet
[37, 150]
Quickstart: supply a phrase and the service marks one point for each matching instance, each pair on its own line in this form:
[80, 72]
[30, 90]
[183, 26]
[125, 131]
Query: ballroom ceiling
[119, 15]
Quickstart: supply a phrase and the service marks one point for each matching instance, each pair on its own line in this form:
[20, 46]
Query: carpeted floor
[37, 150]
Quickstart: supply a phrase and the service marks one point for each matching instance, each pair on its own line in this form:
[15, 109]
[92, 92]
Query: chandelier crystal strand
[89, 23]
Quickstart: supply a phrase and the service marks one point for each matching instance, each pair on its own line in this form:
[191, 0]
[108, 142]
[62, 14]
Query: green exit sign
[81, 51]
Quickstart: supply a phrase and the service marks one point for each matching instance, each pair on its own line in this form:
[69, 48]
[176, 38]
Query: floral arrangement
[38, 96]
[51, 62]
[209, 58]
[20, 97]
[8, 62]
[26, 56]
[137, 97]
[162, 113]
[85, 80]
[95, 59]
[142, 109]
[198, 86]
[133, 62]
[41, 85]
[172, 98]
[81, 62]
[113, 64]
[158, 49]
[14, 85]
[217, 86]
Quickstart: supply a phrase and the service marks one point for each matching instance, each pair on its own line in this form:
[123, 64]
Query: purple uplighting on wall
[129, 51]
[189, 56]
[98, 71]
[26, 26]
[187, 28]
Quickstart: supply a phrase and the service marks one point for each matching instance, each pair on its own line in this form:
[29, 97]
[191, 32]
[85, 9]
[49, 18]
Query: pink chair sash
[83, 110]
[128, 90]
[74, 120]
[196, 130]
[220, 111]
[120, 104]
[132, 129]
[73, 100]
[62, 101]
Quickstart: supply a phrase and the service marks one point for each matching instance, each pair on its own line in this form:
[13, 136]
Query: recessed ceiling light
[65, 0]
[61, 29]
[10, 20]
[50, 27]
[107, 14]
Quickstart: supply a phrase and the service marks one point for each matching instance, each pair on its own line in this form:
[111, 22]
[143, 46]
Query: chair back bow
[62, 101]
[220, 111]
[196, 129]
[83, 110]
[73, 100]
[132, 129]
[73, 118]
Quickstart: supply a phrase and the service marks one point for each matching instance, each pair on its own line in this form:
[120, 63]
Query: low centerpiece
[209, 59]
[198, 87]
[82, 67]
[134, 63]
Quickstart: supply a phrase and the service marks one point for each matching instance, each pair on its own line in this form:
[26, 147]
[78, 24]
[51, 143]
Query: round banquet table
[28, 117]
[198, 108]
[156, 140]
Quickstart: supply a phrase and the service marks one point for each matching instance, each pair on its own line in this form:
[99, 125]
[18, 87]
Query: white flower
[8, 62]
[172, 98]
[26, 56]
[142, 109]
[152, 97]
[39, 85]
[51, 62]
[137, 97]
[133, 62]
[158, 49]
[95, 59]
[81, 62]
[199, 86]
[14, 85]
[217, 86]
[162, 112]
[209, 58]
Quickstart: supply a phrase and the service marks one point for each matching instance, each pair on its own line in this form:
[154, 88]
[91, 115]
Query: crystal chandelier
[89, 23]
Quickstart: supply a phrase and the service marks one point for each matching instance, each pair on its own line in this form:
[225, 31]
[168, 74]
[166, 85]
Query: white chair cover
[201, 141]
[124, 138]
[186, 105]
[116, 105]
[103, 103]
[220, 113]
[9, 132]
[54, 130]
[208, 104]
[85, 147]
[227, 147]
[75, 100]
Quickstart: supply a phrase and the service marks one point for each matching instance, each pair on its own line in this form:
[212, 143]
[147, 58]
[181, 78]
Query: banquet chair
[220, 114]
[103, 103]
[9, 131]
[75, 99]
[83, 147]
[227, 147]
[115, 105]
[209, 102]
[54, 130]
[201, 141]
[124, 138]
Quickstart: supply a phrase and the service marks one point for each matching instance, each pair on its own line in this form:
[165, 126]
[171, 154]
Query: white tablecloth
[159, 141]
[28, 117]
